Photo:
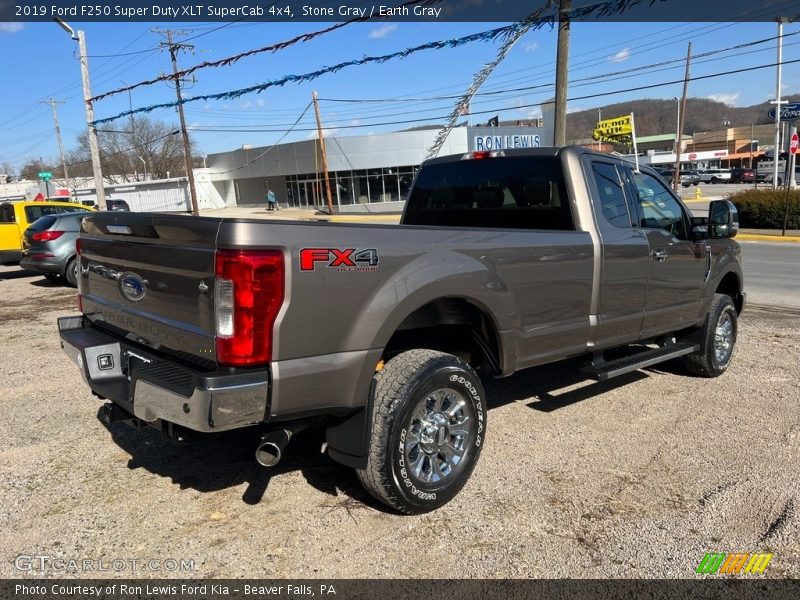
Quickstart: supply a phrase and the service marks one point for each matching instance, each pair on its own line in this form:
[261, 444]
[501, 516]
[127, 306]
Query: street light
[91, 133]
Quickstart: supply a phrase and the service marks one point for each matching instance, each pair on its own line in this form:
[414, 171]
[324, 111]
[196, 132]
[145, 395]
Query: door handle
[659, 255]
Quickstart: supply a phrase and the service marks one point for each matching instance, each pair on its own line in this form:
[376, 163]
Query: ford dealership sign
[789, 112]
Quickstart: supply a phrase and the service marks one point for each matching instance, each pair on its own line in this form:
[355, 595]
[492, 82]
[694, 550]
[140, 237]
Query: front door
[678, 265]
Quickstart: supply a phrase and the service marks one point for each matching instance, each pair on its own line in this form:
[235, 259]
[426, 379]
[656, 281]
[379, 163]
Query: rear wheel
[428, 425]
[71, 272]
[717, 338]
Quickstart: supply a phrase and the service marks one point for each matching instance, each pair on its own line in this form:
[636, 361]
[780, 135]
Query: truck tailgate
[150, 277]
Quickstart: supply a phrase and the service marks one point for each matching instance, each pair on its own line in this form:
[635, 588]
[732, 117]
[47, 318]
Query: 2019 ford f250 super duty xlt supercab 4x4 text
[502, 261]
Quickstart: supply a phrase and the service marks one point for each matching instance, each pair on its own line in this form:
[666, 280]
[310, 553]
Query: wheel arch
[731, 285]
[466, 320]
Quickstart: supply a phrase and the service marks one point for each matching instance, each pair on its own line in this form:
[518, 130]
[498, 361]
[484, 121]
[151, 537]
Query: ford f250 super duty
[502, 261]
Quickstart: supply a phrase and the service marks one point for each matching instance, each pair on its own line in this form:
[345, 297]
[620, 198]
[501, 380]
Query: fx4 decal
[348, 259]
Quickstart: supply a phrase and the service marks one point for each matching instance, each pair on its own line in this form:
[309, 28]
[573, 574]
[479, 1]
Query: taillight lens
[46, 236]
[248, 295]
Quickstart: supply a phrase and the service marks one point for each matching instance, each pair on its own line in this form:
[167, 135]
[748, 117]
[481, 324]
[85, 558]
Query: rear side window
[43, 223]
[7, 214]
[507, 192]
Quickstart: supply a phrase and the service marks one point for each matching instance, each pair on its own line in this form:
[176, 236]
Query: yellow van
[16, 217]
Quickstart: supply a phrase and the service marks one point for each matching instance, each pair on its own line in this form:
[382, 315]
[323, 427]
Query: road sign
[45, 175]
[789, 112]
[793, 144]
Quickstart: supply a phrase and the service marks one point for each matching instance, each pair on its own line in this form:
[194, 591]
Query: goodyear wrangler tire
[717, 338]
[428, 426]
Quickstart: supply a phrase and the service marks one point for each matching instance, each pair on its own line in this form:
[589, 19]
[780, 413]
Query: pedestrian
[272, 201]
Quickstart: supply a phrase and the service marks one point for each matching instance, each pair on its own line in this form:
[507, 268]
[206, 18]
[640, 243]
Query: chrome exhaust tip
[272, 446]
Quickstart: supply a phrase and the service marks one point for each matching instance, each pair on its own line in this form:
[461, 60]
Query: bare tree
[32, 168]
[141, 147]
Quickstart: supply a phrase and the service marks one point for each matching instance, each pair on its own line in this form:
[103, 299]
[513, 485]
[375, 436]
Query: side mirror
[723, 219]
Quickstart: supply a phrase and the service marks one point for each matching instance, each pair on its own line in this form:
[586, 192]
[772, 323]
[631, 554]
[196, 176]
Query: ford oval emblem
[132, 286]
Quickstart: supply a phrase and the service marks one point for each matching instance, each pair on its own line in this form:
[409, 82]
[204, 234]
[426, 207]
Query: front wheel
[428, 427]
[717, 338]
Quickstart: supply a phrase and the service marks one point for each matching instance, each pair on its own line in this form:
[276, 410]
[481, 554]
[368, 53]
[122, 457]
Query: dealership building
[366, 172]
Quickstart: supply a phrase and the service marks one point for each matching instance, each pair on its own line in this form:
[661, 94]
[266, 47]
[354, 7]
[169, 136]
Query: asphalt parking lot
[638, 477]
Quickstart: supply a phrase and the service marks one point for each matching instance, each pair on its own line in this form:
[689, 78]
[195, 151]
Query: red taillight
[46, 236]
[480, 155]
[78, 245]
[248, 296]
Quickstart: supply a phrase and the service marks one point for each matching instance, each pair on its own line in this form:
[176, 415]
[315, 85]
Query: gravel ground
[638, 477]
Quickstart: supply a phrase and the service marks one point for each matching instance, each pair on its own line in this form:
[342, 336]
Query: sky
[44, 65]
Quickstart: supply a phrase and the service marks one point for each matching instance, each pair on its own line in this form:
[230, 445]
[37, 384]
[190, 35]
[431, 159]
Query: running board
[601, 370]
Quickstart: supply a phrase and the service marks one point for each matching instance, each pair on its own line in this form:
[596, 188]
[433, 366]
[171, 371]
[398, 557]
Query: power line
[533, 21]
[224, 62]
[492, 110]
[592, 80]
[288, 131]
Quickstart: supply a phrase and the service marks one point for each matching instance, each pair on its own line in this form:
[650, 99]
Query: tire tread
[389, 388]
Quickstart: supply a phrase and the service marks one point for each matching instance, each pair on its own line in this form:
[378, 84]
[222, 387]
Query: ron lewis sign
[506, 142]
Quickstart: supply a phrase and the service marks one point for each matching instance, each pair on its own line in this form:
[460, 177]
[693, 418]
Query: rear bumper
[8, 257]
[51, 264]
[154, 388]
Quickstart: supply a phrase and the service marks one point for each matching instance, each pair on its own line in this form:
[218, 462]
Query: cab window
[660, 209]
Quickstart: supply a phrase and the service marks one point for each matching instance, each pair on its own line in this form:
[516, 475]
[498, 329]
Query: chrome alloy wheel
[439, 435]
[723, 338]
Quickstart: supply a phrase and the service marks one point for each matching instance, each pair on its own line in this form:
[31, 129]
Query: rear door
[678, 266]
[151, 278]
[626, 261]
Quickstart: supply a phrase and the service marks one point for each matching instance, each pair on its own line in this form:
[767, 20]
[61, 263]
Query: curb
[758, 237]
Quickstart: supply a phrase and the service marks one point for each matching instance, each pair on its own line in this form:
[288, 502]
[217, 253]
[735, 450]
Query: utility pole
[187, 151]
[676, 174]
[52, 102]
[324, 154]
[777, 103]
[91, 130]
[562, 63]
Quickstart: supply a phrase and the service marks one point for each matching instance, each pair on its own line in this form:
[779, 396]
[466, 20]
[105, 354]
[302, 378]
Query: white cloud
[382, 32]
[260, 102]
[532, 46]
[621, 56]
[355, 122]
[729, 99]
[10, 27]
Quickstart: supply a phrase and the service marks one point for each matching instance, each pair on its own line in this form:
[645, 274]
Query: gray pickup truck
[502, 261]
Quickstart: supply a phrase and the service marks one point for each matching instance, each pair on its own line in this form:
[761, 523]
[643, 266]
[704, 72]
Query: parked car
[15, 217]
[740, 175]
[48, 247]
[689, 178]
[715, 176]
